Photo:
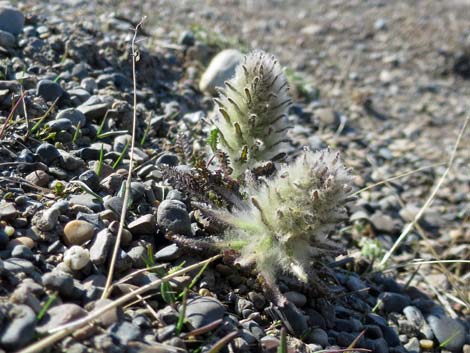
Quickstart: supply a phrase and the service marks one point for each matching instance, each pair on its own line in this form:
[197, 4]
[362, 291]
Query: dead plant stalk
[122, 219]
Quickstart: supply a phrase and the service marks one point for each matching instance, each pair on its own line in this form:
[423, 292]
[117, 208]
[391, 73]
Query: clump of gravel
[66, 86]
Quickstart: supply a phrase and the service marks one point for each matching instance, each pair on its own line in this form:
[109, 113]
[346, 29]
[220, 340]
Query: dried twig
[109, 278]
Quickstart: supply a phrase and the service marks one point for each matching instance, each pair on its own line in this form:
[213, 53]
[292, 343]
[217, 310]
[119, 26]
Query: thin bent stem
[109, 278]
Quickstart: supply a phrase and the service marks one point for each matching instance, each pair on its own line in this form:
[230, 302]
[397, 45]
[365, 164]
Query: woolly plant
[284, 224]
[252, 109]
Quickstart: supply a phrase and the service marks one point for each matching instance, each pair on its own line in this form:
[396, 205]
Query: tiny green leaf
[213, 139]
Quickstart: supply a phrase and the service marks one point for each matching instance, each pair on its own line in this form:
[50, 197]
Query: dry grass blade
[63, 331]
[125, 203]
[428, 202]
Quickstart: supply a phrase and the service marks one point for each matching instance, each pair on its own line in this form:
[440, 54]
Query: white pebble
[76, 257]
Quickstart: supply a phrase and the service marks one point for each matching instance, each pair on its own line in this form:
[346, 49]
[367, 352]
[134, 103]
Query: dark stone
[49, 90]
[394, 302]
[19, 328]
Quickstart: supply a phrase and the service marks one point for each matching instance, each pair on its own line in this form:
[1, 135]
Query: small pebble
[78, 232]
[426, 344]
[77, 257]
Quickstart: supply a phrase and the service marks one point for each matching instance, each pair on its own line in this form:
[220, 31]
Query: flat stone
[60, 315]
[168, 253]
[8, 211]
[448, 330]
[73, 115]
[297, 298]
[86, 200]
[114, 204]
[95, 111]
[201, 311]
[221, 68]
[49, 90]
[38, 177]
[145, 224]
[17, 265]
[109, 317]
[101, 246]
[19, 327]
[11, 19]
[125, 332]
[173, 216]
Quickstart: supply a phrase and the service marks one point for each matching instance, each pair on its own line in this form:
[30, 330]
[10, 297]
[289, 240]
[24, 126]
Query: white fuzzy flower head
[285, 224]
[252, 112]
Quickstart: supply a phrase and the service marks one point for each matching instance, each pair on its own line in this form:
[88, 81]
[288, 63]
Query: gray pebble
[297, 298]
[73, 115]
[23, 252]
[89, 84]
[46, 220]
[137, 253]
[7, 40]
[49, 90]
[60, 315]
[123, 262]
[19, 328]
[48, 153]
[11, 20]
[168, 253]
[8, 211]
[172, 215]
[90, 178]
[125, 332]
[59, 281]
[95, 111]
[114, 204]
[59, 124]
[201, 311]
[168, 315]
[101, 246]
[447, 329]
[166, 332]
[17, 265]
[318, 336]
[86, 200]
[69, 162]
[385, 223]
[143, 225]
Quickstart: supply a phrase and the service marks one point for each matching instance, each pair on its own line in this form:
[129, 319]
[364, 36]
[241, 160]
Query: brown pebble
[30, 243]
[78, 232]
[426, 344]
[38, 177]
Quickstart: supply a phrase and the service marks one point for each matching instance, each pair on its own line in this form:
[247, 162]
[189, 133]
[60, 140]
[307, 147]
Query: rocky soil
[386, 84]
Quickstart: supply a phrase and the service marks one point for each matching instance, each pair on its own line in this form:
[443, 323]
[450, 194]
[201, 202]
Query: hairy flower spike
[251, 112]
[284, 225]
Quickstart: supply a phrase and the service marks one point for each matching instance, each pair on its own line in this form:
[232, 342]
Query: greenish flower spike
[284, 225]
[252, 113]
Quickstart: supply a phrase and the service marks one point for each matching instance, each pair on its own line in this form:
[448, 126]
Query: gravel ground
[386, 84]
